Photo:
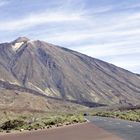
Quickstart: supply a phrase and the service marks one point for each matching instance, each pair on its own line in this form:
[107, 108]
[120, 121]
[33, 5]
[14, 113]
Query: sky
[105, 29]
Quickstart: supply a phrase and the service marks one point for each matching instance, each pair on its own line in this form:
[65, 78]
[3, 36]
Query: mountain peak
[18, 43]
[21, 39]
[68, 75]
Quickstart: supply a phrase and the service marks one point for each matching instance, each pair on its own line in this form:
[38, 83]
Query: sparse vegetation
[38, 121]
[132, 115]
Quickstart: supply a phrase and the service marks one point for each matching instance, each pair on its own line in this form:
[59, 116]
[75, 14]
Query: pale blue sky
[105, 29]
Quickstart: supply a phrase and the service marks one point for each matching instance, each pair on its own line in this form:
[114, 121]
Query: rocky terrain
[47, 71]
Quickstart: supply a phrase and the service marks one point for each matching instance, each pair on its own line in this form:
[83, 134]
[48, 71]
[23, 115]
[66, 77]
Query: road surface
[85, 131]
[127, 130]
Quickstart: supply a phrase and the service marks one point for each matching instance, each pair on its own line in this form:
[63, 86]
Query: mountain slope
[66, 74]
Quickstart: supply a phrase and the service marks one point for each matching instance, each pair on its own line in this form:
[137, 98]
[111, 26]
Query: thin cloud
[4, 2]
[131, 6]
[37, 19]
[96, 29]
[110, 49]
[127, 62]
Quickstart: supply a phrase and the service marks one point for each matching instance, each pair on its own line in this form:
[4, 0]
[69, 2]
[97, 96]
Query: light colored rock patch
[49, 92]
[95, 97]
[14, 82]
[31, 42]
[16, 46]
[11, 82]
[70, 97]
[33, 86]
[52, 92]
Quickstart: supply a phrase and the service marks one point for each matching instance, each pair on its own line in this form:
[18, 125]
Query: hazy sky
[105, 29]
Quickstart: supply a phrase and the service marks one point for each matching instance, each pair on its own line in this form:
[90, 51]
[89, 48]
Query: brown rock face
[62, 73]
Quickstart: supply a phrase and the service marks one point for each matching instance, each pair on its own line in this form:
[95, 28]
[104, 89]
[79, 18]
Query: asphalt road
[86, 131]
[125, 129]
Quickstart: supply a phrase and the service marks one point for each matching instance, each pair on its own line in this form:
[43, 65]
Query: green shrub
[28, 123]
[12, 124]
[126, 115]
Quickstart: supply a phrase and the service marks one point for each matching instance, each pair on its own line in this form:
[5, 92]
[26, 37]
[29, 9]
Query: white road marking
[87, 120]
[130, 126]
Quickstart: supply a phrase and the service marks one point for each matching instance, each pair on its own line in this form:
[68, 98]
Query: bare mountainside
[59, 73]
